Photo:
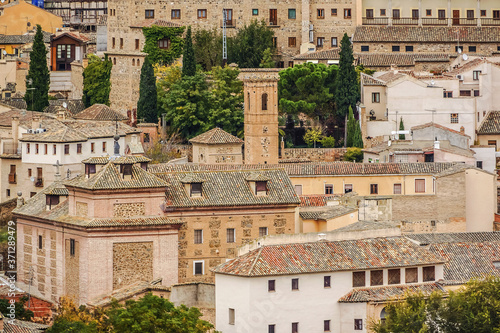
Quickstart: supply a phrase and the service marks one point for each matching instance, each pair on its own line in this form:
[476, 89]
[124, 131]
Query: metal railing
[434, 21]
[405, 21]
[39, 182]
[464, 21]
[375, 20]
[490, 22]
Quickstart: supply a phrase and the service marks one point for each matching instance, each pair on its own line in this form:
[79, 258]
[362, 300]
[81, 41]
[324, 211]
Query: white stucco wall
[487, 156]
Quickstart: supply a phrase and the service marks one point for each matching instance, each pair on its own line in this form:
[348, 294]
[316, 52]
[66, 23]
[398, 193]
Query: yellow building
[17, 18]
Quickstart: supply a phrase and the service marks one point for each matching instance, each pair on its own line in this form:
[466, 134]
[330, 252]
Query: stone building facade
[217, 147]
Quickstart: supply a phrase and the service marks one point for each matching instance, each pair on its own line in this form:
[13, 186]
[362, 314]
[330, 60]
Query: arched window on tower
[264, 101]
[133, 62]
[248, 100]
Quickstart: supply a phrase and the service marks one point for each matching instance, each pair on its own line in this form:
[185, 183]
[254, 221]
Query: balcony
[405, 21]
[464, 21]
[39, 182]
[274, 23]
[490, 22]
[375, 21]
[12, 178]
[434, 21]
[229, 23]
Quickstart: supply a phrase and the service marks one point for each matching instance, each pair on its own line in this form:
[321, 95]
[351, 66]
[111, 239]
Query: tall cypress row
[38, 78]
[147, 108]
[347, 80]
[188, 60]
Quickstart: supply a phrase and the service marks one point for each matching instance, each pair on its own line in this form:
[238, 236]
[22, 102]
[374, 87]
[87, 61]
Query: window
[382, 12]
[320, 41]
[121, 43]
[321, 13]
[114, 61]
[195, 190]
[36, 148]
[347, 13]
[150, 13]
[292, 41]
[347, 188]
[448, 94]
[12, 174]
[329, 189]
[198, 236]
[164, 43]
[45, 149]
[202, 13]
[66, 149]
[483, 12]
[479, 164]
[397, 188]
[295, 284]
[175, 14]
[475, 75]
[376, 278]
[32, 194]
[113, 42]
[198, 267]
[292, 14]
[261, 188]
[465, 93]
[358, 324]
[395, 48]
[394, 276]
[54, 149]
[78, 148]
[92, 147]
[298, 189]
[8, 192]
[255, 12]
[428, 273]
[334, 11]
[428, 12]
[376, 97]
[409, 48]
[441, 14]
[136, 44]
[327, 281]
[326, 325]
[146, 137]
[365, 48]
[133, 62]
[104, 147]
[230, 233]
[271, 328]
[29, 172]
[492, 143]
[496, 14]
[231, 316]
[470, 14]
[262, 231]
[126, 169]
[290, 64]
[295, 327]
[419, 185]
[72, 247]
[369, 13]
[264, 101]
[275, 41]
[414, 14]
[40, 242]
[411, 275]
[454, 118]
[373, 188]
[396, 14]
[27, 148]
[334, 41]
[89, 169]
[271, 285]
[358, 279]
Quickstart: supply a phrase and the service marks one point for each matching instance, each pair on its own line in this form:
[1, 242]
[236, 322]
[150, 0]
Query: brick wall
[72, 270]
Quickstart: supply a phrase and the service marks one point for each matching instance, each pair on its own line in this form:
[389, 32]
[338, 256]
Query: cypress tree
[401, 128]
[351, 129]
[347, 80]
[147, 105]
[357, 140]
[38, 97]
[188, 60]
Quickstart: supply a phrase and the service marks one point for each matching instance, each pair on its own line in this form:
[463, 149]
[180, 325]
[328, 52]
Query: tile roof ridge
[255, 261]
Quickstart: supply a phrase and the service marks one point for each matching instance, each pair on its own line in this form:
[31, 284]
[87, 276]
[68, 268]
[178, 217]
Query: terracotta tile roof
[315, 168]
[129, 291]
[18, 326]
[315, 200]
[325, 213]
[256, 177]
[228, 188]
[386, 34]
[326, 256]
[62, 134]
[100, 112]
[329, 54]
[389, 77]
[73, 105]
[75, 36]
[465, 67]
[100, 129]
[57, 189]
[386, 293]
[128, 159]
[15, 103]
[455, 237]
[23, 39]
[148, 23]
[490, 124]
[399, 59]
[109, 177]
[142, 221]
[368, 225]
[215, 136]
[369, 80]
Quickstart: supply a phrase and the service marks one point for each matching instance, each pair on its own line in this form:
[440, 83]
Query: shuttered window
[419, 185]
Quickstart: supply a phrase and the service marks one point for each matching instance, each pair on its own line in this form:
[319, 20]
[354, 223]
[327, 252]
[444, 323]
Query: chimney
[133, 140]
[20, 203]
[35, 122]
[15, 130]
[462, 130]
[61, 114]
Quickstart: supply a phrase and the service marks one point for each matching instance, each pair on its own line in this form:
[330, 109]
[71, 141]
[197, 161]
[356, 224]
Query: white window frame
[202, 267]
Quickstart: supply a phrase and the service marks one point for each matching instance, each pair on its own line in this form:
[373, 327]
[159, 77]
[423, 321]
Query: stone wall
[132, 262]
[82, 209]
[6, 208]
[314, 154]
[129, 209]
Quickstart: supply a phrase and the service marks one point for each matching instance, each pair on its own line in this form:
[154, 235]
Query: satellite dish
[465, 56]
[4, 52]
[432, 82]
[32, 178]
[459, 50]
[65, 105]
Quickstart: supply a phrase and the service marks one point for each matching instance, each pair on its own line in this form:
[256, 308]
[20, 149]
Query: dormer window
[261, 188]
[195, 190]
[126, 171]
[258, 183]
[89, 169]
[144, 165]
[51, 201]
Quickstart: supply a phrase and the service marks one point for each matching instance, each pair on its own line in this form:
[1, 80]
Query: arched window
[264, 101]
[383, 315]
[248, 99]
[138, 62]
[114, 61]
[133, 62]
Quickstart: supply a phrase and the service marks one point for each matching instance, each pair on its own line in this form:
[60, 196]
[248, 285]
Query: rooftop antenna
[224, 42]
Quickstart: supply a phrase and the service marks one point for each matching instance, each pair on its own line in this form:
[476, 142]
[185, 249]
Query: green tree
[267, 59]
[353, 154]
[401, 128]
[351, 129]
[312, 136]
[347, 79]
[328, 142]
[96, 81]
[362, 69]
[147, 105]
[188, 59]
[155, 314]
[72, 318]
[248, 46]
[208, 48]
[38, 78]
[21, 312]
[307, 88]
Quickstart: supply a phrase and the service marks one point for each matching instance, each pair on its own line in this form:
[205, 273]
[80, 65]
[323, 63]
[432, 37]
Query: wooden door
[456, 17]
[273, 16]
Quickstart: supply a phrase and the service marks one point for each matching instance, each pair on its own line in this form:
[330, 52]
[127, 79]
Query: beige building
[15, 16]
[217, 146]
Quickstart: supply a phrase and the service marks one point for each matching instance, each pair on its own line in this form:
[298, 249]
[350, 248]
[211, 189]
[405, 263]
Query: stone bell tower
[260, 87]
